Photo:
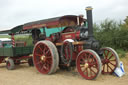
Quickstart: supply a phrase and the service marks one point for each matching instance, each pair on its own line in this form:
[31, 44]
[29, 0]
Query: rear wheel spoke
[107, 54]
[49, 62]
[39, 62]
[110, 56]
[38, 54]
[92, 71]
[112, 64]
[110, 68]
[83, 59]
[86, 71]
[113, 60]
[47, 52]
[107, 68]
[40, 48]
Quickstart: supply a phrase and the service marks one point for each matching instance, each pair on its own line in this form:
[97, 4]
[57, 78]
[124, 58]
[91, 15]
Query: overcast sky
[16, 12]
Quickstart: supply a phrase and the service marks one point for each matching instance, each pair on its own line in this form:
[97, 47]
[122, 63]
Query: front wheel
[88, 64]
[110, 60]
[10, 64]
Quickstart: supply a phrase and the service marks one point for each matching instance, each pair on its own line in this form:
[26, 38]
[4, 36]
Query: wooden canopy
[68, 20]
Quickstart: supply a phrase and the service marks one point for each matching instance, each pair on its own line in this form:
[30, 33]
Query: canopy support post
[13, 40]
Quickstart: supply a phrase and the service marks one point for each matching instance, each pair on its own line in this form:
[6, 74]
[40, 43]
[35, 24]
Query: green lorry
[12, 52]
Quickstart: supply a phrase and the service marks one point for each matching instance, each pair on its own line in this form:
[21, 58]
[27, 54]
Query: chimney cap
[89, 8]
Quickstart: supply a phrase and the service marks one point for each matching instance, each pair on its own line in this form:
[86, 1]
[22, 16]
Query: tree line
[112, 33]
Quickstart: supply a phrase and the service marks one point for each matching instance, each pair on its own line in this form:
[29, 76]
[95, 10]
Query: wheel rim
[8, 64]
[87, 65]
[110, 61]
[42, 58]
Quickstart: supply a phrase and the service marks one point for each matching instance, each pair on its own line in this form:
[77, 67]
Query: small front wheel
[88, 64]
[10, 64]
[110, 60]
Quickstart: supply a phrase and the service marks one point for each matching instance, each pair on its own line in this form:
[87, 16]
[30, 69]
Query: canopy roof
[14, 30]
[68, 20]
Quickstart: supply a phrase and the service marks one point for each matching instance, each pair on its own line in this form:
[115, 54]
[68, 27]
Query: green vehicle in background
[17, 52]
[12, 52]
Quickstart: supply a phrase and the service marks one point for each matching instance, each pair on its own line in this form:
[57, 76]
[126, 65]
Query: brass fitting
[88, 8]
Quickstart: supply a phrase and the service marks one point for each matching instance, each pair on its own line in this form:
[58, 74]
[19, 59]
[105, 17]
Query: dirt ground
[25, 75]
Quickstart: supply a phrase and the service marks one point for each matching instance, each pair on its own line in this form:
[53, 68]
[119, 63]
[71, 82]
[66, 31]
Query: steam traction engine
[72, 45]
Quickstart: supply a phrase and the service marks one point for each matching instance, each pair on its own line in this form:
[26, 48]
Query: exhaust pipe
[89, 21]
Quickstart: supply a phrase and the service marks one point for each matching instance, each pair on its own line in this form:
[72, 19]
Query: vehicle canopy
[63, 21]
[14, 30]
[68, 20]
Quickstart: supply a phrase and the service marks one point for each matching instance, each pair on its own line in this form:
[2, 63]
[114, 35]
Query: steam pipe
[89, 21]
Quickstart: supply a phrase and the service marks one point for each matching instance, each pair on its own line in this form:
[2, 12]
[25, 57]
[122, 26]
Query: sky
[17, 12]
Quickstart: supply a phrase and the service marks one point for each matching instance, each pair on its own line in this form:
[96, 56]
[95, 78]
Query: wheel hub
[107, 60]
[104, 61]
[86, 65]
[43, 58]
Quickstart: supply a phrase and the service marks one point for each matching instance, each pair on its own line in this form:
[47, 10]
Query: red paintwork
[43, 66]
[91, 71]
[109, 62]
[72, 35]
[77, 49]
[68, 34]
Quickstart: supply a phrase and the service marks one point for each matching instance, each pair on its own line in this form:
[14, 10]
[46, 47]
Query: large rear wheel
[45, 57]
[88, 64]
[110, 60]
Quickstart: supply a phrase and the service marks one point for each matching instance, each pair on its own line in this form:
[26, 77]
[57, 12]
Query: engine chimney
[89, 21]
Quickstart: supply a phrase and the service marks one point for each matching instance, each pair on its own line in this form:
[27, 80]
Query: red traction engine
[76, 46]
